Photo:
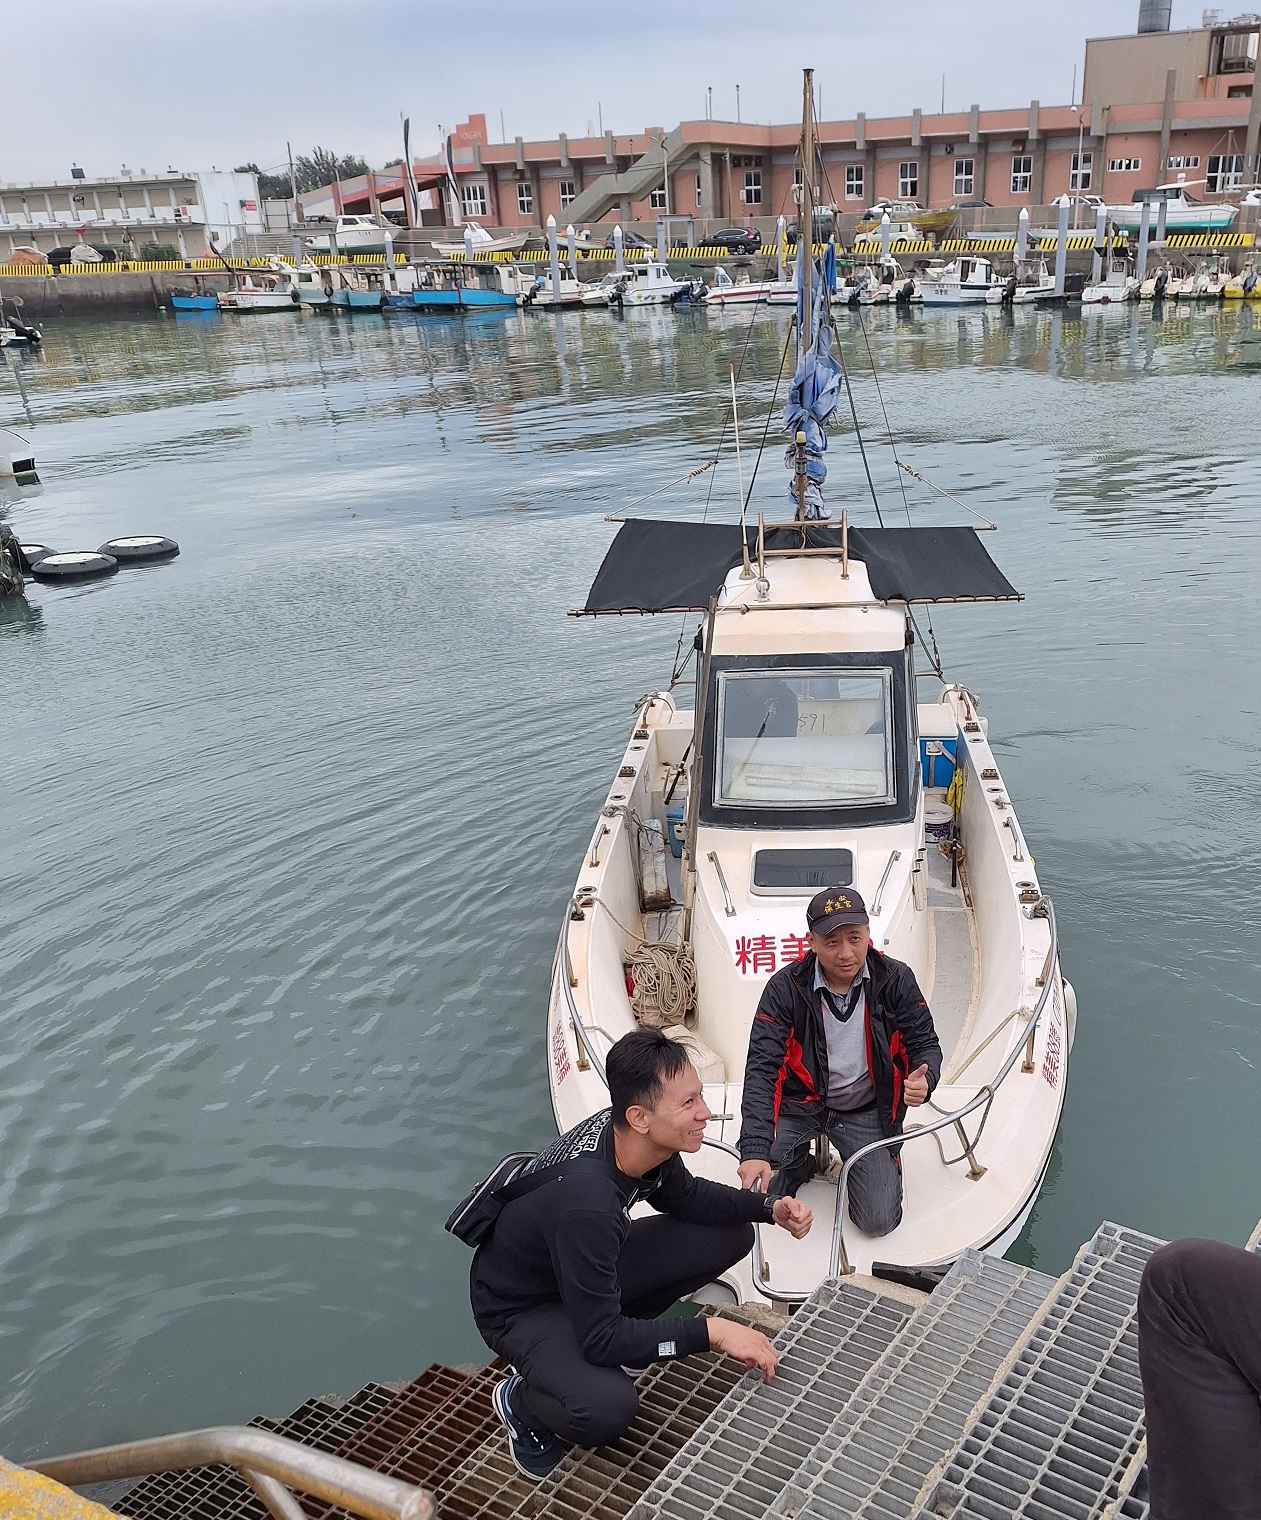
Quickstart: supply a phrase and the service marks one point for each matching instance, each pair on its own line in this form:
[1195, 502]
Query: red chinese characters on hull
[760, 955]
[560, 1056]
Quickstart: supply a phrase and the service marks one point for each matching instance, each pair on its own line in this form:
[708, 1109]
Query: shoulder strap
[592, 1165]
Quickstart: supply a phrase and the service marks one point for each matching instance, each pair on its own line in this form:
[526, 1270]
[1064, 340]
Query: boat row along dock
[1003, 1393]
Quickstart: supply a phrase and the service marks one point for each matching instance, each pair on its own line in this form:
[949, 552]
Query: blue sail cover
[816, 385]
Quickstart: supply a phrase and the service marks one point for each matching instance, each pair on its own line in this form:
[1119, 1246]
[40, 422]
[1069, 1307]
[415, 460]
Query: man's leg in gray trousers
[875, 1184]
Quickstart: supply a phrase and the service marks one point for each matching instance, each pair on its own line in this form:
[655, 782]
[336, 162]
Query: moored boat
[256, 293]
[964, 281]
[484, 243]
[1245, 286]
[807, 762]
[1183, 213]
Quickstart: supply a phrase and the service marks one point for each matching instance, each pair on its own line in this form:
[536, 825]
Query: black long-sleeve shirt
[560, 1244]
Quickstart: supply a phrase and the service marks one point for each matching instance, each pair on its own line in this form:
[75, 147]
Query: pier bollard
[1022, 235]
[1101, 242]
[1144, 230]
[886, 237]
[554, 257]
[619, 261]
[1061, 245]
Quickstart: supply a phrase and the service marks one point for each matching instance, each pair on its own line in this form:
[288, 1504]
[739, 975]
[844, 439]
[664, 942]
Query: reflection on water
[293, 818]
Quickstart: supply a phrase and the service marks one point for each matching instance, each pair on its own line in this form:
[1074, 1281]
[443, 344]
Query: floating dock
[1004, 1393]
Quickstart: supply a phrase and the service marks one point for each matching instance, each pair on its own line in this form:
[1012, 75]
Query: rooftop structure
[132, 210]
[1216, 61]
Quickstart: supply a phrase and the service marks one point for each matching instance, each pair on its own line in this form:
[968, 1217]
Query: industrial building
[131, 212]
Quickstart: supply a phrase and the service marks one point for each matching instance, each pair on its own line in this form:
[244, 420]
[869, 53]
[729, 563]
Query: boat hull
[1177, 219]
[1007, 957]
[357, 300]
[194, 303]
[248, 303]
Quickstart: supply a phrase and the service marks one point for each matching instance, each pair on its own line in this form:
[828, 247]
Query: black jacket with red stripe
[787, 1068]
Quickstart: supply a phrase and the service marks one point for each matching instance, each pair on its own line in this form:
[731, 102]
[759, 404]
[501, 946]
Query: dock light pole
[552, 255]
[1061, 245]
[619, 261]
[1144, 231]
[468, 244]
[1022, 235]
[1101, 240]
[781, 246]
[886, 237]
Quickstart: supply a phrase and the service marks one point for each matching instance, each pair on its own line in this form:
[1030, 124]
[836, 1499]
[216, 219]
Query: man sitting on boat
[842, 1042]
[569, 1289]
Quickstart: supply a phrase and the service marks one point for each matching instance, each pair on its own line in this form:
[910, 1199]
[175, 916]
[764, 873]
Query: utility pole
[293, 186]
[737, 102]
[503, 131]
[709, 103]
[600, 109]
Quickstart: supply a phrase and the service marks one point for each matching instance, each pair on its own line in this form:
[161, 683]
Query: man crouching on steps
[568, 1287]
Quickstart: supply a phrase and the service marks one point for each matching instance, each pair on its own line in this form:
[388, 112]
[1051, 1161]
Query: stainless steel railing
[270, 1464]
[838, 1261]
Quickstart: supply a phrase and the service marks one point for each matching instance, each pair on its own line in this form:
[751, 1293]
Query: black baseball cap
[838, 905]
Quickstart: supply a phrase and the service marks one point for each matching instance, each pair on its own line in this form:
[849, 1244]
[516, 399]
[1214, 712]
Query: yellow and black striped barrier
[1211, 240]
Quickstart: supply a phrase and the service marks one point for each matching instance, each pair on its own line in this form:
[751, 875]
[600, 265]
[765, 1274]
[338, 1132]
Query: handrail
[838, 1261]
[561, 969]
[894, 855]
[722, 882]
[255, 1454]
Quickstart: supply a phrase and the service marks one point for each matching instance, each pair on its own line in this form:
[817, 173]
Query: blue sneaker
[535, 1453]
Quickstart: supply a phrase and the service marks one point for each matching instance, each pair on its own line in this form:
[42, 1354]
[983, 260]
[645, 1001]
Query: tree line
[311, 171]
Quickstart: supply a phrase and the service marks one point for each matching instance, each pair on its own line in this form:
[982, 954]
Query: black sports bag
[474, 1217]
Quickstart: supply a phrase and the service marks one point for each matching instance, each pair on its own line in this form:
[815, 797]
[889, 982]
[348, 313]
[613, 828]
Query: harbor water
[290, 821]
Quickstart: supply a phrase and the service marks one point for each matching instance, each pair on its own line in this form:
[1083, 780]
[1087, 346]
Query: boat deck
[1005, 1392]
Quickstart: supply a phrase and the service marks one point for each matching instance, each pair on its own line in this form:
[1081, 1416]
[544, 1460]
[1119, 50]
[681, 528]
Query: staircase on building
[633, 184]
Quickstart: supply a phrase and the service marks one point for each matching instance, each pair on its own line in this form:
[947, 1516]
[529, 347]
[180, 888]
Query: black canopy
[655, 566]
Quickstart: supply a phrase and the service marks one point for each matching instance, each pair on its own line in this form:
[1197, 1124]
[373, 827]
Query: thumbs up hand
[915, 1088]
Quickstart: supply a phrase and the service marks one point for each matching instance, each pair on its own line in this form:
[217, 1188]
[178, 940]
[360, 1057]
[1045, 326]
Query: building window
[525, 198]
[1080, 171]
[746, 160]
[657, 200]
[1239, 92]
[474, 198]
[908, 181]
[853, 182]
[1021, 173]
[965, 177]
[1225, 172]
[1183, 161]
[752, 187]
[1124, 165]
[700, 194]
[567, 196]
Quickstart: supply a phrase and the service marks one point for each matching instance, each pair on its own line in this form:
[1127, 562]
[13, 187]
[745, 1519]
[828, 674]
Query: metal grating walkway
[913, 1406]
[1061, 1431]
[742, 1460]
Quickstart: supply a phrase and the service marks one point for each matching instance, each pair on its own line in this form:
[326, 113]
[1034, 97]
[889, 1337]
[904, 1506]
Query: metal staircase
[643, 176]
[1005, 1393]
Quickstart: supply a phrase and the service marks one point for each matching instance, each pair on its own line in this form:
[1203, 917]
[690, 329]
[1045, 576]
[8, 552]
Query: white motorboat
[352, 234]
[534, 287]
[889, 285]
[724, 291]
[1206, 282]
[807, 762]
[601, 292]
[1118, 284]
[314, 283]
[964, 281]
[652, 284]
[1159, 284]
[1030, 282]
[255, 292]
[1183, 213]
[484, 243]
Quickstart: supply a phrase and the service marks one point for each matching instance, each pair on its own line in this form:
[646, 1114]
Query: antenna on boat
[746, 572]
[805, 217]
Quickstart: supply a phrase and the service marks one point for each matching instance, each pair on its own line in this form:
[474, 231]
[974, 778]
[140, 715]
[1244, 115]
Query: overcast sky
[150, 84]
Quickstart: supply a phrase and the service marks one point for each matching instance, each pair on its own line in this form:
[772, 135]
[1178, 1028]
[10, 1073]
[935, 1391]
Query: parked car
[824, 223]
[630, 240]
[737, 240]
[971, 206]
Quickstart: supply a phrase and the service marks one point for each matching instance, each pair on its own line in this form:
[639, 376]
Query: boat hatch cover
[656, 566]
[801, 873]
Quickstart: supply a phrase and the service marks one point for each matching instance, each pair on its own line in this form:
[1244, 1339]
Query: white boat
[715, 833]
[601, 292]
[314, 283]
[889, 285]
[1118, 284]
[256, 292]
[964, 281]
[1206, 282]
[652, 284]
[724, 291]
[1030, 282]
[1183, 213]
[533, 285]
[353, 234]
[1159, 284]
[484, 243]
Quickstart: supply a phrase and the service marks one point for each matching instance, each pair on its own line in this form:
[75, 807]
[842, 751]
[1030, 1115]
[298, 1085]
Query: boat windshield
[812, 738]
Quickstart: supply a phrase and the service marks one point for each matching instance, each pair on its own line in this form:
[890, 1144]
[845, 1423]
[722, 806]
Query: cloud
[147, 85]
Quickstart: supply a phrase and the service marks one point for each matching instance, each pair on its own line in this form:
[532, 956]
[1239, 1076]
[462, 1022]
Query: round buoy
[79, 566]
[36, 552]
[131, 551]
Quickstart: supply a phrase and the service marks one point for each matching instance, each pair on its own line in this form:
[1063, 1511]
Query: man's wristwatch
[770, 1211]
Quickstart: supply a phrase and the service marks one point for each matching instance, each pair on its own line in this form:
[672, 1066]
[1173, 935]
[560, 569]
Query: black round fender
[138, 549]
[80, 565]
